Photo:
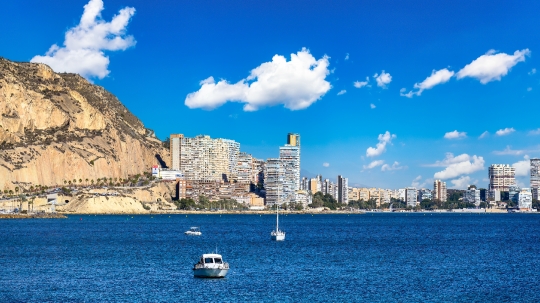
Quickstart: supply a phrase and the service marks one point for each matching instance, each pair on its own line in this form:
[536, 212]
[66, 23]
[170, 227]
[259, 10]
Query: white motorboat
[193, 231]
[277, 235]
[211, 266]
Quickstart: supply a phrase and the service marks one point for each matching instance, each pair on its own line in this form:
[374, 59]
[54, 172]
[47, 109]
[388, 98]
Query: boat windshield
[208, 260]
[217, 260]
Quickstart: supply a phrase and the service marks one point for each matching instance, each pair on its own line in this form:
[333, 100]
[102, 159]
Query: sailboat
[277, 235]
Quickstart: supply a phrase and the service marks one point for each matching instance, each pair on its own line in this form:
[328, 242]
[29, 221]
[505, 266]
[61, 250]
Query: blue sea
[325, 258]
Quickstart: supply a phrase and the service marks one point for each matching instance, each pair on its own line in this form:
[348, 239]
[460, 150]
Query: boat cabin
[211, 259]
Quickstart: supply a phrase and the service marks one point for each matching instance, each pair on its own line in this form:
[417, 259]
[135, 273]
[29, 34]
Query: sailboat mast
[277, 218]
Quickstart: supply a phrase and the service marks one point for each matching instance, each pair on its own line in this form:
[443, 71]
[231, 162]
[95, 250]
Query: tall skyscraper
[273, 182]
[289, 154]
[501, 177]
[411, 196]
[175, 141]
[343, 190]
[535, 177]
[439, 190]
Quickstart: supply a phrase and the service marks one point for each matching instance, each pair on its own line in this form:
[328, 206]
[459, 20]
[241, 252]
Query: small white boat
[211, 266]
[193, 231]
[277, 235]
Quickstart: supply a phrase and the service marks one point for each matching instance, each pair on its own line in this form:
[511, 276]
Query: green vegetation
[320, 200]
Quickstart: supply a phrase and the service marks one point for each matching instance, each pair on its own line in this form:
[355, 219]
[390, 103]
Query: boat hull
[214, 273]
[278, 237]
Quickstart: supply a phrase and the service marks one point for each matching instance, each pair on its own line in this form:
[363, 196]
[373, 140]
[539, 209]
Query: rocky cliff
[58, 126]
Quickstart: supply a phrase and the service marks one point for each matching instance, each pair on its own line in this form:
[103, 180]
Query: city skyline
[398, 94]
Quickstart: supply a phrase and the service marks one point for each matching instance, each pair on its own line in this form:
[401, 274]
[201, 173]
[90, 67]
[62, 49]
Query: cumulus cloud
[394, 166]
[326, 164]
[416, 182]
[505, 131]
[455, 135]
[360, 84]
[523, 168]
[341, 92]
[84, 44]
[461, 183]
[459, 165]
[347, 57]
[372, 106]
[533, 71]
[437, 77]
[492, 66]
[383, 79]
[374, 164]
[296, 84]
[384, 139]
[516, 152]
[484, 134]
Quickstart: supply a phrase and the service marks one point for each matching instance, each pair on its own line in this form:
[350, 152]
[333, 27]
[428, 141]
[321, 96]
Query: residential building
[289, 156]
[174, 149]
[439, 190]
[525, 199]
[303, 197]
[535, 177]
[472, 195]
[513, 193]
[273, 181]
[411, 196]
[501, 177]
[424, 193]
[343, 190]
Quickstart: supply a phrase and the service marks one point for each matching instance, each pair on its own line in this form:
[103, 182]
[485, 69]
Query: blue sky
[473, 62]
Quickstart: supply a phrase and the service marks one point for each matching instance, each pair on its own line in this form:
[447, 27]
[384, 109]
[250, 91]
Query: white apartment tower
[439, 190]
[501, 177]
[343, 190]
[535, 177]
[290, 161]
[273, 181]
[411, 196]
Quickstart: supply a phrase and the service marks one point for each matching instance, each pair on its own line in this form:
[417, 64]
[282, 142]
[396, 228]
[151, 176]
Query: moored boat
[277, 235]
[211, 266]
[193, 231]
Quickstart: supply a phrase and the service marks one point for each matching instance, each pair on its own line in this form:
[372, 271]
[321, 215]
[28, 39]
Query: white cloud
[437, 77]
[383, 79]
[326, 164]
[296, 84]
[394, 166]
[523, 168]
[484, 134]
[84, 44]
[504, 132]
[347, 57]
[535, 132]
[341, 92]
[381, 146]
[372, 106]
[492, 66]
[373, 164]
[529, 89]
[360, 84]
[461, 183]
[455, 135]
[533, 71]
[459, 165]
[416, 182]
[516, 152]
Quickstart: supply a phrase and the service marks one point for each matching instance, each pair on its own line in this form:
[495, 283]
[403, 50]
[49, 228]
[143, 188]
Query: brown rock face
[56, 127]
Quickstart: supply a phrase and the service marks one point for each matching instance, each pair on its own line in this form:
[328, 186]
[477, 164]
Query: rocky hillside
[58, 126]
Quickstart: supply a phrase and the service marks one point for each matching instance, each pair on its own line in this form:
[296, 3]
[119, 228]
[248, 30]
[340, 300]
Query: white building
[472, 195]
[343, 190]
[411, 196]
[535, 177]
[439, 190]
[501, 177]
[303, 197]
[273, 181]
[525, 199]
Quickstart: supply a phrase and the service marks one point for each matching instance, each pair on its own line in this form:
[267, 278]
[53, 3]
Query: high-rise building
[411, 196]
[501, 177]
[244, 168]
[439, 190]
[204, 158]
[343, 190]
[535, 177]
[273, 181]
[289, 154]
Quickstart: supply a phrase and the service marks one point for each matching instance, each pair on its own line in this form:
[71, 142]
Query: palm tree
[86, 180]
[16, 189]
[69, 182]
[65, 182]
[32, 188]
[92, 181]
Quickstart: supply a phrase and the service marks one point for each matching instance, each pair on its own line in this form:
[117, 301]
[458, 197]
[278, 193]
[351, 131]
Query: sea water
[325, 258]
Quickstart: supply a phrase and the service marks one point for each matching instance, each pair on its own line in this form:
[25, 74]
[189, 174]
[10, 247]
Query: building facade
[439, 190]
[472, 195]
[501, 177]
[535, 177]
[525, 199]
[273, 180]
[411, 197]
[343, 189]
